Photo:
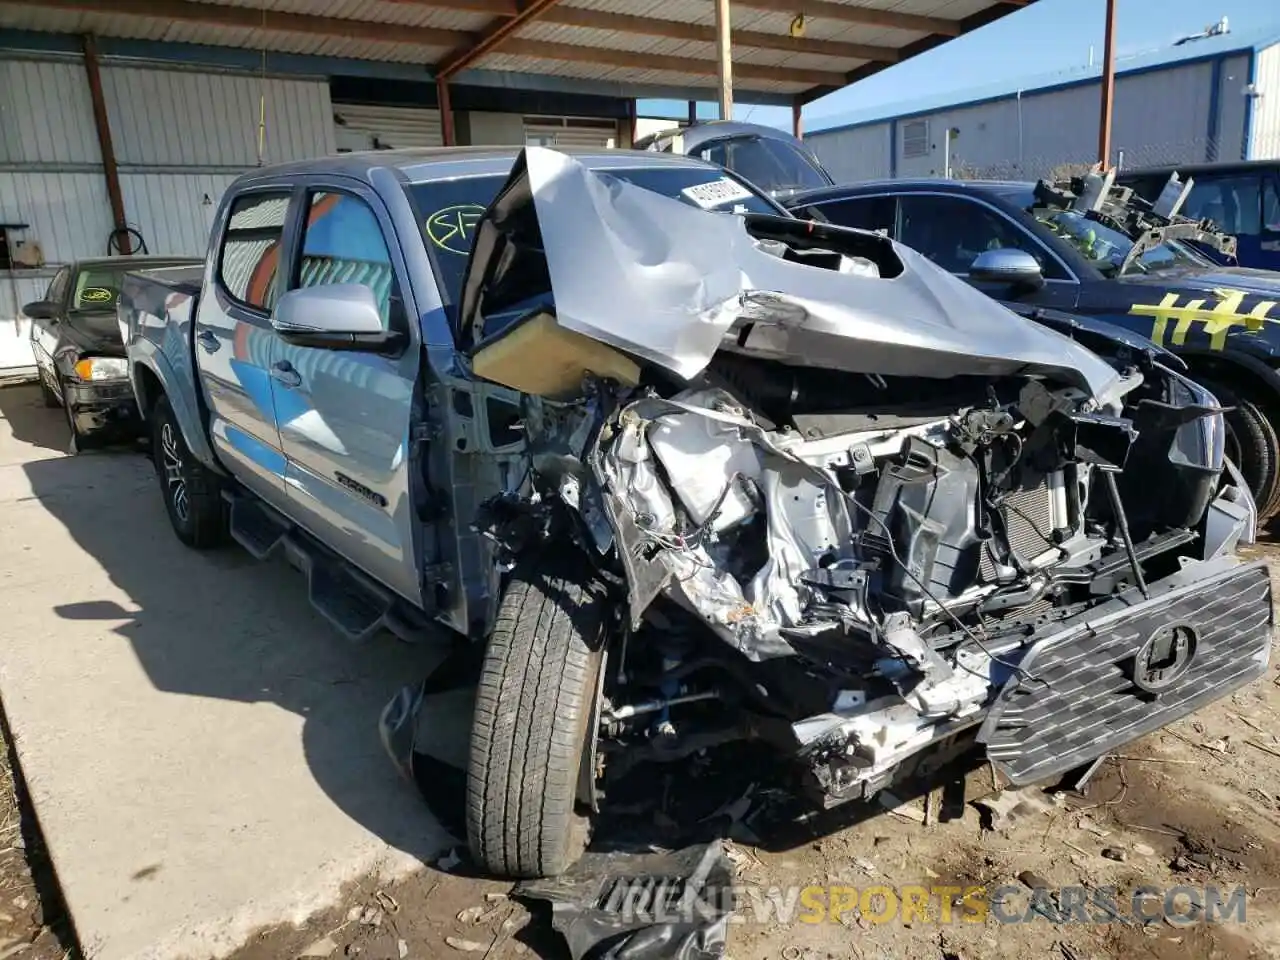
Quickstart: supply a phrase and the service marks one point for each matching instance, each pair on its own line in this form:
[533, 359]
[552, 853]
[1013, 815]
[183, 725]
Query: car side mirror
[1013, 267]
[335, 316]
[41, 310]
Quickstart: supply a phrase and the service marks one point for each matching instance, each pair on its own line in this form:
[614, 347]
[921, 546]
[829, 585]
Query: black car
[1223, 321]
[1242, 197]
[78, 348]
[772, 159]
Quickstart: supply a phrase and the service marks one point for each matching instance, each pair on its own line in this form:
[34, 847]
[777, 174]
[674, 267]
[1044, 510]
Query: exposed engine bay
[816, 545]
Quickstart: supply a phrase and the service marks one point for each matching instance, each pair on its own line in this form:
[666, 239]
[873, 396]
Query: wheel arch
[153, 377]
[1250, 374]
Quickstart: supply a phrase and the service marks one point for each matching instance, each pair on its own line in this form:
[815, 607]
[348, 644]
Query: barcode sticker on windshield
[716, 193]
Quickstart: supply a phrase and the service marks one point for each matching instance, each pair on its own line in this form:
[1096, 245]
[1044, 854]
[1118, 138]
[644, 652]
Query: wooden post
[724, 58]
[797, 128]
[446, 112]
[109, 169]
[1108, 86]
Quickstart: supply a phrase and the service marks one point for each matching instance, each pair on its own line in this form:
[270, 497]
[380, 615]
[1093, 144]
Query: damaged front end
[847, 504]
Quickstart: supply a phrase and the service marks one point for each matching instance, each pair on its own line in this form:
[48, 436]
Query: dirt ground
[1196, 805]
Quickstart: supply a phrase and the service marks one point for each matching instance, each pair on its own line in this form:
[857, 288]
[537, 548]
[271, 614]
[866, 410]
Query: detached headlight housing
[102, 368]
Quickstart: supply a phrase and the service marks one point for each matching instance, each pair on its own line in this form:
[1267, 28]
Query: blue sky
[1048, 36]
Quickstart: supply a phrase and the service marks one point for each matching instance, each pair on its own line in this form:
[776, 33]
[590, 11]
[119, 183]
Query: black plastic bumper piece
[1129, 668]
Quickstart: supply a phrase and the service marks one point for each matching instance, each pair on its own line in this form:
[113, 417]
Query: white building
[1211, 98]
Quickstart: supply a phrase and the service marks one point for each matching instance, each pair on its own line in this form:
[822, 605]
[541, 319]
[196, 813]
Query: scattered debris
[467, 946]
[371, 917]
[1033, 880]
[1118, 854]
[448, 861]
[866, 866]
[1248, 723]
[1005, 808]
[1143, 850]
[495, 897]
[388, 902]
[480, 914]
[1086, 822]
[402, 948]
[1258, 746]
[318, 950]
[907, 811]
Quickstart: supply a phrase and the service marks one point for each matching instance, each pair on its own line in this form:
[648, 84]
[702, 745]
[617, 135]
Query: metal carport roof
[641, 46]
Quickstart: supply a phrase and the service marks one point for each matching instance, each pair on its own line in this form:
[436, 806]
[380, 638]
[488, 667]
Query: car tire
[192, 492]
[1254, 446]
[533, 717]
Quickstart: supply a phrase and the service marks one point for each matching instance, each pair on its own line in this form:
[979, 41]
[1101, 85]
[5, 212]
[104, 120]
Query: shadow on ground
[220, 625]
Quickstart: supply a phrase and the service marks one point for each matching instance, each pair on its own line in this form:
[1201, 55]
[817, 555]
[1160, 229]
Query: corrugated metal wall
[1160, 117]
[860, 153]
[1265, 142]
[180, 138]
[363, 127]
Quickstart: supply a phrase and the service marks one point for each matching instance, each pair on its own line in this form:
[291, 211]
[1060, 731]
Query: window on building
[250, 257]
[343, 243]
[952, 231]
[915, 139]
[1234, 203]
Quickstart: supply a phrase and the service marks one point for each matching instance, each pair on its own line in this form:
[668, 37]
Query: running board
[357, 606]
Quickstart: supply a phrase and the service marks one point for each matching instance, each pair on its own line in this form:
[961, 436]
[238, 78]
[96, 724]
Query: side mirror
[335, 316]
[41, 310]
[1014, 267]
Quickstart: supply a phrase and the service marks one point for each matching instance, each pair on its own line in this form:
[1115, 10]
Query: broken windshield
[451, 209]
[1107, 248]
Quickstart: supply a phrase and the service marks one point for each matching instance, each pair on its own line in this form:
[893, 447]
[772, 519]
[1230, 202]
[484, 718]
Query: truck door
[234, 339]
[344, 415]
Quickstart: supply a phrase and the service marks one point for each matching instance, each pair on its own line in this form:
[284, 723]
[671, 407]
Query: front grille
[1081, 696]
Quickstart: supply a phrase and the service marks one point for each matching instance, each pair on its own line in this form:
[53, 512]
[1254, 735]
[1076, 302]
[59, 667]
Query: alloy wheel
[173, 472]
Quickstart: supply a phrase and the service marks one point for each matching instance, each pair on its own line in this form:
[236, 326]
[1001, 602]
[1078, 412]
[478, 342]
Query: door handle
[282, 372]
[208, 340]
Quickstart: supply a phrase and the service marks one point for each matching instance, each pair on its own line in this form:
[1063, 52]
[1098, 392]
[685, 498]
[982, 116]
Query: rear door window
[249, 260]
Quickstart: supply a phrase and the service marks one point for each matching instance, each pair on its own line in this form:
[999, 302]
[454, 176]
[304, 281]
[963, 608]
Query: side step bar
[357, 606]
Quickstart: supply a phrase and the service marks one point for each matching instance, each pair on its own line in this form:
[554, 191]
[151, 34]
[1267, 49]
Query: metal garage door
[570, 132]
[364, 127]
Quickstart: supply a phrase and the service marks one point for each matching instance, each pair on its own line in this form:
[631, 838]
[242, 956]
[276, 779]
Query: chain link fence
[1126, 156]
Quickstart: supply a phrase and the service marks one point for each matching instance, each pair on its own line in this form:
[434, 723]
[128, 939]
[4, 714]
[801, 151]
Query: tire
[191, 491]
[1256, 447]
[532, 719]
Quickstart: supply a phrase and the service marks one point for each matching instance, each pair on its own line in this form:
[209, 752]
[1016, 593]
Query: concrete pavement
[200, 747]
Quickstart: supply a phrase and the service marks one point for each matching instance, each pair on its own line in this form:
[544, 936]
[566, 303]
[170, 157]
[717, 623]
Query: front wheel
[1253, 446]
[533, 717]
[192, 496]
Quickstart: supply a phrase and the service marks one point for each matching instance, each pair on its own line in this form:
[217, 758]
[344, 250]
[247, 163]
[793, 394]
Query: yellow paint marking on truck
[1218, 320]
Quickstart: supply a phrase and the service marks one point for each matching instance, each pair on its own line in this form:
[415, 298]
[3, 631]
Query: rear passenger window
[250, 256]
[343, 243]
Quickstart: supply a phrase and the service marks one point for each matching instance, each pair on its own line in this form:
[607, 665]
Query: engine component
[926, 503]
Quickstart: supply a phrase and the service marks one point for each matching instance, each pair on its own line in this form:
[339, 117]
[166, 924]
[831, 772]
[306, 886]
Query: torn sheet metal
[665, 280]
[642, 906]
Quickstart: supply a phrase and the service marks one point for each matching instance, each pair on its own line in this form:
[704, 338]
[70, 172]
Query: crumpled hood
[666, 281]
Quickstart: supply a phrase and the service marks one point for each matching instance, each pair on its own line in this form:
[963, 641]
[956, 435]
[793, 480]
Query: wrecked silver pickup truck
[793, 482]
[693, 471]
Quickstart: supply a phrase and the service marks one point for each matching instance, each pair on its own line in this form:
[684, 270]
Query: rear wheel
[1253, 446]
[534, 707]
[191, 491]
